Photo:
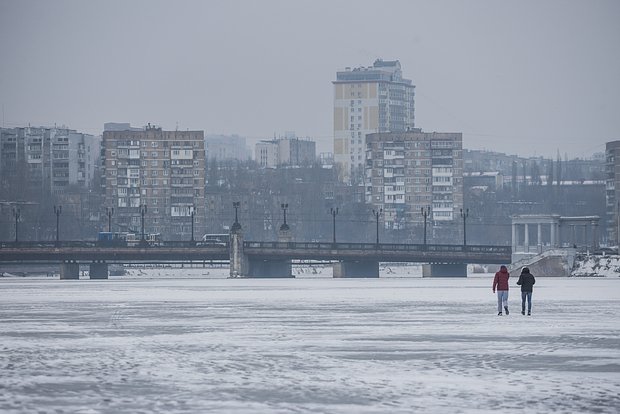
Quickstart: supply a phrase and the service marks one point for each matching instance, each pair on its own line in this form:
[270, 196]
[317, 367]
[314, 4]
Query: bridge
[254, 258]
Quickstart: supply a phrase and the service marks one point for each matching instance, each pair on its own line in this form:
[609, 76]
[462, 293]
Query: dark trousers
[528, 296]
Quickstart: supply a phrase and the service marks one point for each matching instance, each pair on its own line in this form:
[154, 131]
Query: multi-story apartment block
[612, 190]
[48, 159]
[162, 170]
[289, 150]
[408, 171]
[368, 100]
[226, 147]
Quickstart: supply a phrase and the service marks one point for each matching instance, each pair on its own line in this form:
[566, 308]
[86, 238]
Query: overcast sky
[522, 77]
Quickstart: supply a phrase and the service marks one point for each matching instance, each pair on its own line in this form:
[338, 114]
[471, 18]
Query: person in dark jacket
[526, 281]
[500, 283]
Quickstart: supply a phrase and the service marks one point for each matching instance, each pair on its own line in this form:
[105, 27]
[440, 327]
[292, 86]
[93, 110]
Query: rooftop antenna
[177, 126]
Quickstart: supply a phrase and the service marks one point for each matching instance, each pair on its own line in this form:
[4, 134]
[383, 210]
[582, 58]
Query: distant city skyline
[526, 78]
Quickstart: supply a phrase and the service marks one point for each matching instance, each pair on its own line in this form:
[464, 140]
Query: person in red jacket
[500, 283]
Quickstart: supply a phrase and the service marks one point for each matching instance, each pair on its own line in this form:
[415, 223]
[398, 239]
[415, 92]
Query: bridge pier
[264, 268]
[98, 270]
[444, 270]
[69, 271]
[356, 268]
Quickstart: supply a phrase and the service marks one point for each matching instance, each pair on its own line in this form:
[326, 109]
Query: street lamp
[192, 212]
[464, 214]
[58, 212]
[377, 213]
[142, 213]
[236, 226]
[426, 211]
[17, 215]
[109, 212]
[284, 207]
[334, 213]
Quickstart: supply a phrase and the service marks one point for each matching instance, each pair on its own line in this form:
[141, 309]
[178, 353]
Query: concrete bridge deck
[257, 259]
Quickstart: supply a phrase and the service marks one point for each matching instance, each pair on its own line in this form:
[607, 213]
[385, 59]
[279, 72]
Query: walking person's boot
[506, 309]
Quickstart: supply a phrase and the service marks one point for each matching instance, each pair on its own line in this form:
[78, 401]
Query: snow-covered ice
[314, 345]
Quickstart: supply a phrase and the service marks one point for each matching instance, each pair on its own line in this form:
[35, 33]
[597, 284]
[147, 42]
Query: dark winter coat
[526, 281]
[500, 282]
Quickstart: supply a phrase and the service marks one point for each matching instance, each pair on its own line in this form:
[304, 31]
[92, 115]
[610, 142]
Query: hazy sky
[522, 77]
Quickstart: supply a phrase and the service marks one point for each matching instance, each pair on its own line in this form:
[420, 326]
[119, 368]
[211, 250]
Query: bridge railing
[108, 244]
[385, 247]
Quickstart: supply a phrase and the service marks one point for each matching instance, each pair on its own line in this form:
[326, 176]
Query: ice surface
[313, 345]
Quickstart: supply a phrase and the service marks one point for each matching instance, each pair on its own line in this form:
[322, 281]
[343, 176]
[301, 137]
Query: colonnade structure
[533, 234]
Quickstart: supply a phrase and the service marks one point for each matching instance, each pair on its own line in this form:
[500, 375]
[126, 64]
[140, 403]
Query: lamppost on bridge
[426, 211]
[236, 225]
[377, 213]
[58, 212]
[17, 214]
[192, 212]
[464, 215]
[109, 211]
[284, 226]
[142, 213]
[334, 213]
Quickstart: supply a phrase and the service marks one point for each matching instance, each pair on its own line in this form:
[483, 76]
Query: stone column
[517, 238]
[238, 259]
[514, 237]
[585, 236]
[526, 239]
[553, 235]
[539, 238]
[594, 235]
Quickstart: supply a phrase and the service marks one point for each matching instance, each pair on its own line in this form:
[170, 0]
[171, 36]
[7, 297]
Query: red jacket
[501, 279]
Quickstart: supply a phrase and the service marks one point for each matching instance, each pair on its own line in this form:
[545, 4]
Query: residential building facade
[368, 100]
[162, 170]
[48, 160]
[409, 171]
[612, 190]
[226, 147]
[287, 151]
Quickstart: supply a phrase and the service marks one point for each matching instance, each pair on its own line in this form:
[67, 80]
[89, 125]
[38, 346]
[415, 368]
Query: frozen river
[388, 345]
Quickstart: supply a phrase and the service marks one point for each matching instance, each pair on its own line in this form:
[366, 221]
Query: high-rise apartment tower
[368, 100]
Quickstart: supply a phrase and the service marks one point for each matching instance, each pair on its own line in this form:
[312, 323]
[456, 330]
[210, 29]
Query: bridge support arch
[356, 268]
[98, 270]
[69, 271]
[444, 270]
